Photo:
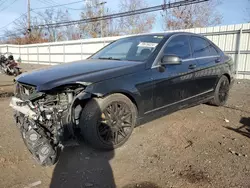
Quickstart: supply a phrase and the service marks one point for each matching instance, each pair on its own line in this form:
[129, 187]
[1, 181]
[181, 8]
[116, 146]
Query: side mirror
[170, 60]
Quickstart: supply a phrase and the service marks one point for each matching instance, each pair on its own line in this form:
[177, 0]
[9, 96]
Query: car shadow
[244, 129]
[83, 166]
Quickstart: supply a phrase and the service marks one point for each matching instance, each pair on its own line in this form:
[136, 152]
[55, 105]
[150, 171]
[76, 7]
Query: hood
[91, 70]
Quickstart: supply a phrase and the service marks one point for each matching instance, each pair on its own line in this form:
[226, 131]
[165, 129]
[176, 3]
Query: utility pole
[102, 11]
[28, 20]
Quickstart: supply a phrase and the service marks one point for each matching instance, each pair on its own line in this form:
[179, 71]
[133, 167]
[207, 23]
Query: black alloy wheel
[221, 92]
[224, 90]
[115, 123]
[107, 123]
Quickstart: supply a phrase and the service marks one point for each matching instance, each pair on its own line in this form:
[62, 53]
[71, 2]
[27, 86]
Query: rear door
[208, 60]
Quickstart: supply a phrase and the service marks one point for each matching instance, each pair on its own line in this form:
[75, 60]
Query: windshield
[137, 48]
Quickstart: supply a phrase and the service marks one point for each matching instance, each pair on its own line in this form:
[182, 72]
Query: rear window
[202, 48]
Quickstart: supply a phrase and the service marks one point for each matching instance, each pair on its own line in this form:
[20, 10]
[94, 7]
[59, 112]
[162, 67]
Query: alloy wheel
[115, 123]
[224, 91]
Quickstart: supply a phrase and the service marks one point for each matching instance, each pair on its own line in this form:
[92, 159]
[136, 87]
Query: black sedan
[102, 98]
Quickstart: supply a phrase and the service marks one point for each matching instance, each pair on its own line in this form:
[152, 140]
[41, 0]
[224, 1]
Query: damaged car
[101, 99]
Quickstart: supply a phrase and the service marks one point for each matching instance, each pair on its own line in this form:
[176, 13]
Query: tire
[221, 92]
[16, 71]
[107, 123]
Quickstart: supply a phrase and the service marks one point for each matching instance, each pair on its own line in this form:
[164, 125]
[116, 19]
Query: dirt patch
[6, 90]
[194, 176]
[142, 185]
[6, 94]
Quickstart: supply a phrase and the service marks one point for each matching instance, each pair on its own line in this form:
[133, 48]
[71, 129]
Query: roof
[166, 34]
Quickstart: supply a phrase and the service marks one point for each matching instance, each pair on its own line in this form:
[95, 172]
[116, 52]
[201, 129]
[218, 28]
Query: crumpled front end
[44, 119]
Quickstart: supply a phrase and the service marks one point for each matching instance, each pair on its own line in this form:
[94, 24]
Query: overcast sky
[233, 11]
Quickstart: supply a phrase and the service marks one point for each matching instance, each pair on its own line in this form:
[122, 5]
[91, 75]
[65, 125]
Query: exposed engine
[45, 119]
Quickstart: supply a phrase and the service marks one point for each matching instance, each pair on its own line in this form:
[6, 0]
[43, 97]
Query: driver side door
[174, 84]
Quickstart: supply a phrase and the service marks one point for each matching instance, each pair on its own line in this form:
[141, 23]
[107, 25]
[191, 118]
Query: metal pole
[28, 52]
[238, 54]
[28, 19]
[63, 52]
[49, 55]
[101, 21]
[19, 51]
[81, 50]
[37, 50]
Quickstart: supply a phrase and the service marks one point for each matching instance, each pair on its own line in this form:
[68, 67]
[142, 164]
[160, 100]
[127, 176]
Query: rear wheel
[108, 123]
[221, 92]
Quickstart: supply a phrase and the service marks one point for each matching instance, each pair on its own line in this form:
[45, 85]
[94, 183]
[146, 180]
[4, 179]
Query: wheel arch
[228, 77]
[82, 101]
[127, 94]
[219, 77]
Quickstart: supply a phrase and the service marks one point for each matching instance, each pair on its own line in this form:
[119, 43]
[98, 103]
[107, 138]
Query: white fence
[232, 39]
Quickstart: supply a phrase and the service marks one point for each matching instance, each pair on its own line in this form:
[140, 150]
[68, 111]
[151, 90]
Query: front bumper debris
[37, 140]
[23, 107]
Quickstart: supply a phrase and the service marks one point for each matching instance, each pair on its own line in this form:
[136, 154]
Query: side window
[213, 51]
[202, 48]
[178, 46]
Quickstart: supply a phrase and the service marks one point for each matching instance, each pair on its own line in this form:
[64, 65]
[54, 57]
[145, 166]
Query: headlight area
[44, 119]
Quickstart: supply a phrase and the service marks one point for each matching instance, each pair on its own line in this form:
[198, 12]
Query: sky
[233, 11]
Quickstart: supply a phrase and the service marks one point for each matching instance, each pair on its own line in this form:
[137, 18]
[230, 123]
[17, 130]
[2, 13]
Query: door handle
[192, 66]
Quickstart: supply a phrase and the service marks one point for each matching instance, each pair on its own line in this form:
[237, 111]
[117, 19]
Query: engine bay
[45, 119]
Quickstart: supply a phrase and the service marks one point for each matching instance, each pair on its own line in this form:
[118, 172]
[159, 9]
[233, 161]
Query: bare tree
[93, 29]
[18, 33]
[70, 32]
[112, 27]
[50, 16]
[190, 16]
[119, 26]
[134, 24]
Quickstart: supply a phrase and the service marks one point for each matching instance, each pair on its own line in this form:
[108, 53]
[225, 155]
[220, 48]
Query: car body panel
[137, 86]
[175, 83]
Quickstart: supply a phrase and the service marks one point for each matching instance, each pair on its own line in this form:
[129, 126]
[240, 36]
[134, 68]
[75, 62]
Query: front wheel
[107, 123]
[221, 92]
